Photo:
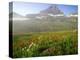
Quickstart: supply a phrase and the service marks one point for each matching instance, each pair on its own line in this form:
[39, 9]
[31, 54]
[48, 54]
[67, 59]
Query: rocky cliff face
[53, 9]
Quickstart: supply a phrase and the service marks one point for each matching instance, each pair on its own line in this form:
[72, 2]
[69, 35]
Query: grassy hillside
[45, 44]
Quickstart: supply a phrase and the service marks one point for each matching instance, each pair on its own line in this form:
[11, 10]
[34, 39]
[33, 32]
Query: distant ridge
[75, 14]
[15, 14]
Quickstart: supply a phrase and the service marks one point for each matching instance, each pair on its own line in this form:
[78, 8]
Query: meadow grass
[45, 44]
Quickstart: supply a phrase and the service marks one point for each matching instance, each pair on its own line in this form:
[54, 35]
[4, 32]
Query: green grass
[45, 44]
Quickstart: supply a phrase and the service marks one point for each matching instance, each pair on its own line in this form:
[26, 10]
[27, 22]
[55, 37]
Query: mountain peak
[53, 9]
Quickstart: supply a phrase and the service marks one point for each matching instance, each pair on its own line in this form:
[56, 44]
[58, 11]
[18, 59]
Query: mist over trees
[50, 19]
